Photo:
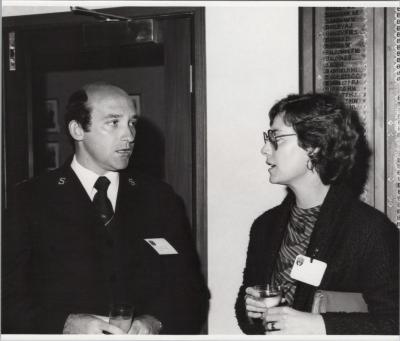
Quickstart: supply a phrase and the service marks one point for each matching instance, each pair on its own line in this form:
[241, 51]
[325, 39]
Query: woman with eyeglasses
[321, 237]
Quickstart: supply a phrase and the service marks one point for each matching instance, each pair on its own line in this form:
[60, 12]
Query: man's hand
[145, 324]
[291, 321]
[88, 324]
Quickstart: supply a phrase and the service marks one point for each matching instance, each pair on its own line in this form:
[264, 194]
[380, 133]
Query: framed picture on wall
[51, 116]
[136, 102]
[52, 155]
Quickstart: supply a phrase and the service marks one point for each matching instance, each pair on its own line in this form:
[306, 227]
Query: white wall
[252, 61]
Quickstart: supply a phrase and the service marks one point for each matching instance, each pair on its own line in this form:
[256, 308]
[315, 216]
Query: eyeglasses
[272, 138]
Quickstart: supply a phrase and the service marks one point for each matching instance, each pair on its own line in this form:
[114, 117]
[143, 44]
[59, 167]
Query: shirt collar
[88, 177]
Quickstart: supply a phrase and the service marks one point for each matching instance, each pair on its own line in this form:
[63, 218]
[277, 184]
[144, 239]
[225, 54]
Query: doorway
[55, 54]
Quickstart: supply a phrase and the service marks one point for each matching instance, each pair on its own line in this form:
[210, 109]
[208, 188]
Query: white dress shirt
[88, 178]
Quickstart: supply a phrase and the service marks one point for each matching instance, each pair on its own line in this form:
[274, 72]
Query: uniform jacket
[59, 259]
[360, 246]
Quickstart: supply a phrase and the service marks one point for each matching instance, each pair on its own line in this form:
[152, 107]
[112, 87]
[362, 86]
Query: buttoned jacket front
[61, 259]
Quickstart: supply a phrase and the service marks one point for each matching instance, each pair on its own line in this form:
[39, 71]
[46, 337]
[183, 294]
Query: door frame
[199, 124]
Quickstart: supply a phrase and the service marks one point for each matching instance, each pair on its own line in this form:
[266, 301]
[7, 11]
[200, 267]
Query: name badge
[308, 270]
[162, 246]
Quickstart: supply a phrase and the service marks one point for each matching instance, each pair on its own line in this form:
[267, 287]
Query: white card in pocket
[308, 270]
[162, 246]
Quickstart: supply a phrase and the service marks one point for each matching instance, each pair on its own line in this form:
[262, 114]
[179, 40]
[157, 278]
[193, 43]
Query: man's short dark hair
[326, 125]
[78, 110]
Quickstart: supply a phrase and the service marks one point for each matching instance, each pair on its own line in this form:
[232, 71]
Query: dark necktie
[101, 201]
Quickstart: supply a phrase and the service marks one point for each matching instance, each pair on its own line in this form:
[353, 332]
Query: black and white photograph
[203, 170]
[52, 155]
[136, 102]
[51, 116]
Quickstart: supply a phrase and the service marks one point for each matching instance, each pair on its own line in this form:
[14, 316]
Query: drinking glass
[121, 315]
[270, 294]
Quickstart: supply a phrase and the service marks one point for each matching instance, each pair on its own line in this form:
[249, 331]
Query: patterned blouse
[296, 240]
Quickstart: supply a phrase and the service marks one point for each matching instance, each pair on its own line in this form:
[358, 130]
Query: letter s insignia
[61, 181]
[132, 182]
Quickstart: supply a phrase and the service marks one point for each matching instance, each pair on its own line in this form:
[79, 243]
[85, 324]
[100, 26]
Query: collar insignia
[62, 181]
[132, 182]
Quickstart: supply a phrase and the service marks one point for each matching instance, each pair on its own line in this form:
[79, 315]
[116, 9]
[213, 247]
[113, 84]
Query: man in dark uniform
[89, 234]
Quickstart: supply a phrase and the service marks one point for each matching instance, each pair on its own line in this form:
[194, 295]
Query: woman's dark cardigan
[360, 246]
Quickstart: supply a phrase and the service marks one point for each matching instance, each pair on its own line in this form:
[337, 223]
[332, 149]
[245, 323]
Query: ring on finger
[270, 326]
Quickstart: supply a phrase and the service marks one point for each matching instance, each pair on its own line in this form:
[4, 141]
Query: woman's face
[288, 162]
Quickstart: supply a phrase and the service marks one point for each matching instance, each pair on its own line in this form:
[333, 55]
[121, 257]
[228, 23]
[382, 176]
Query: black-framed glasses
[272, 138]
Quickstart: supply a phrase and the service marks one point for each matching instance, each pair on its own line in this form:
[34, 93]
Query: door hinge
[11, 51]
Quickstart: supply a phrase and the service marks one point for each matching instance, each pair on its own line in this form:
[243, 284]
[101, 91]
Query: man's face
[108, 144]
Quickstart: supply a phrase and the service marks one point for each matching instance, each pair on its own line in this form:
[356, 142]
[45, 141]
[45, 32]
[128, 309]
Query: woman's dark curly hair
[332, 133]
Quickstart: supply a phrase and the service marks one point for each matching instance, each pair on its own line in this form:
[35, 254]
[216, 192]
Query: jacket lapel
[328, 228]
[274, 240]
[129, 201]
[70, 200]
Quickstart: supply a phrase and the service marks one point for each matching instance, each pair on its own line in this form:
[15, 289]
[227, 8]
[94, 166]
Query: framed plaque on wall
[393, 115]
[354, 52]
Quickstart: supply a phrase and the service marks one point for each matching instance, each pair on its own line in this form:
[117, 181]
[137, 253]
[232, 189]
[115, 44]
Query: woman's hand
[255, 308]
[290, 321]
